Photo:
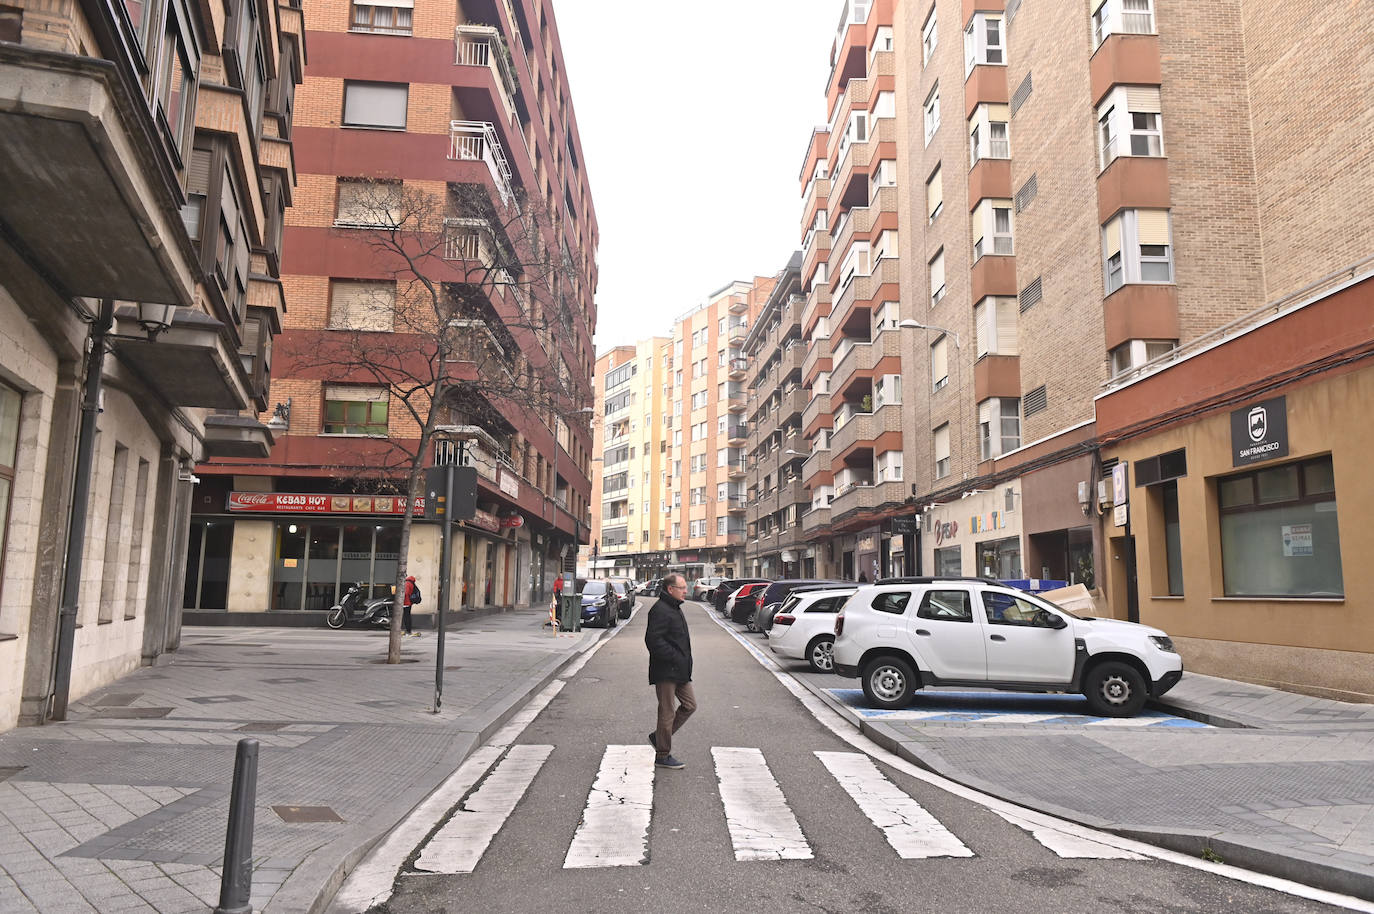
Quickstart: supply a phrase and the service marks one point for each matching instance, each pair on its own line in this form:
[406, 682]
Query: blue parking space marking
[1023, 708]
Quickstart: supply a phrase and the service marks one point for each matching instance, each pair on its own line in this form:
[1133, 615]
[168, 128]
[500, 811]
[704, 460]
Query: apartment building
[1105, 197]
[450, 128]
[776, 448]
[854, 419]
[147, 149]
[631, 448]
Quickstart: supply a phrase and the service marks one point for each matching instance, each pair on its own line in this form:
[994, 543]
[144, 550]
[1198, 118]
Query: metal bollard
[236, 882]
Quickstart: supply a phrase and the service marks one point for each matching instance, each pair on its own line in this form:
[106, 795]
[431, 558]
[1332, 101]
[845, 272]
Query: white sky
[694, 118]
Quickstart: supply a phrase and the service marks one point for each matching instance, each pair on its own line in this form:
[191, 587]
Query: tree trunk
[393, 641]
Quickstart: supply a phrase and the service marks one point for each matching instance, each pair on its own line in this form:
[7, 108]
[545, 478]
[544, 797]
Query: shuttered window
[1136, 248]
[362, 202]
[995, 321]
[935, 195]
[197, 189]
[937, 278]
[939, 363]
[355, 410]
[941, 436]
[357, 305]
[375, 104]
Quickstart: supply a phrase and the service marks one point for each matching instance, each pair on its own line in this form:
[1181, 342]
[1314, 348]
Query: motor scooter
[354, 608]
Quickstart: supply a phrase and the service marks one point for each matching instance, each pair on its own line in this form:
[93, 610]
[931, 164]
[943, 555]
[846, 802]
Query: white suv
[900, 635]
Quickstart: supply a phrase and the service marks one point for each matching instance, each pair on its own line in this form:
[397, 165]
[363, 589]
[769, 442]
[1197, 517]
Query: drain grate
[304, 815]
[118, 699]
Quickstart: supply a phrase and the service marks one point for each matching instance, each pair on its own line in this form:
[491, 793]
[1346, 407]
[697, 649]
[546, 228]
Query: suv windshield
[594, 588]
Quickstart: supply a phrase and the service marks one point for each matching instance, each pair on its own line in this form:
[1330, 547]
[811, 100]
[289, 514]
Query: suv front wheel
[889, 683]
[1115, 689]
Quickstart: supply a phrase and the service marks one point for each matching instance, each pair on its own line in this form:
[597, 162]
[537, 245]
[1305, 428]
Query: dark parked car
[725, 588]
[779, 591]
[625, 594]
[650, 587]
[599, 602]
[747, 603]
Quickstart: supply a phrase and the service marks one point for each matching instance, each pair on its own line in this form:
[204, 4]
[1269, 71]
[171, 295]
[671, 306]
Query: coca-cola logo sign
[246, 499]
[309, 503]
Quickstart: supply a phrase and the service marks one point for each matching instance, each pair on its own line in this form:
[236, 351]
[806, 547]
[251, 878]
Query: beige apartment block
[631, 449]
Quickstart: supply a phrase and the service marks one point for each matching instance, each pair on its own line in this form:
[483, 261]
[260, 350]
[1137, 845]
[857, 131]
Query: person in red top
[411, 587]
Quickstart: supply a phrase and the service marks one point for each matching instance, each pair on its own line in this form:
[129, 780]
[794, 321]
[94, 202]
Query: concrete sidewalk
[124, 807]
[1281, 784]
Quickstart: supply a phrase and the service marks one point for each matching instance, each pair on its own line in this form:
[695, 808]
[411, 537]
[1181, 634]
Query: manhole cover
[296, 815]
[218, 699]
[132, 713]
[118, 699]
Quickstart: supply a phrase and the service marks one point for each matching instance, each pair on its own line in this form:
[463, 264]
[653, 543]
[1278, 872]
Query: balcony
[736, 335]
[816, 413]
[738, 306]
[737, 470]
[737, 435]
[815, 519]
[470, 239]
[818, 462]
[737, 504]
[859, 157]
[476, 141]
[815, 249]
[794, 403]
[868, 497]
[817, 360]
[736, 403]
[236, 435]
[815, 199]
[793, 357]
[817, 306]
[867, 289]
[880, 429]
[864, 358]
[189, 364]
[736, 369]
[792, 492]
[483, 46]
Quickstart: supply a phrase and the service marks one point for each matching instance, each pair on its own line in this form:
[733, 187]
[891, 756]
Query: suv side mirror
[1047, 619]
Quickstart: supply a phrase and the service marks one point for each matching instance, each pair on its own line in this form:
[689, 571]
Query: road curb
[322, 873]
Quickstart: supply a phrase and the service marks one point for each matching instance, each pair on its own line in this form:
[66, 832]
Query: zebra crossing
[614, 830]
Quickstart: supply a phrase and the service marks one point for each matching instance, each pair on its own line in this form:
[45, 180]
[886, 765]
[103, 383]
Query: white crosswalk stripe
[614, 828]
[761, 825]
[1064, 844]
[615, 825]
[460, 843]
[912, 832]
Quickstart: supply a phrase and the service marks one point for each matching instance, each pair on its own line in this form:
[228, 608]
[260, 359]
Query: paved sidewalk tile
[124, 807]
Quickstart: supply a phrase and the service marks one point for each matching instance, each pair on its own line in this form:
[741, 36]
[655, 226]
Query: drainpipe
[76, 526]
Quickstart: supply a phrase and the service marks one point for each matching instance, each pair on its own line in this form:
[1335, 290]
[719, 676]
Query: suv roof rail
[936, 579]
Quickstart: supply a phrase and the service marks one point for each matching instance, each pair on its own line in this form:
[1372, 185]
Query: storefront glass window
[322, 567]
[1279, 535]
[388, 555]
[288, 572]
[1173, 548]
[355, 562]
[948, 563]
[1000, 559]
[208, 546]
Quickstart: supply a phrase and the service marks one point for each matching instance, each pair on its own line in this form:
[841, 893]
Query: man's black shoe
[667, 761]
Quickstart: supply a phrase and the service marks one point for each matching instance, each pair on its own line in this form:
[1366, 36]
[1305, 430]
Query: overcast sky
[694, 118]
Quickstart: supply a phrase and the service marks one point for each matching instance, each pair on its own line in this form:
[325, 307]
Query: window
[892, 602]
[362, 202]
[935, 197]
[355, 411]
[1137, 352]
[1279, 536]
[887, 391]
[995, 321]
[175, 86]
[941, 436]
[358, 305]
[932, 113]
[946, 605]
[939, 364]
[722, 491]
[948, 562]
[677, 530]
[929, 37]
[10, 400]
[999, 426]
[375, 105]
[1000, 559]
[387, 17]
[983, 41]
[887, 467]
[987, 133]
[1006, 609]
[720, 526]
[1136, 248]
[885, 175]
[937, 278]
[990, 228]
[1165, 497]
[1129, 124]
[1127, 17]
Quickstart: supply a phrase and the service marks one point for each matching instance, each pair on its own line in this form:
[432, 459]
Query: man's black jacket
[670, 647]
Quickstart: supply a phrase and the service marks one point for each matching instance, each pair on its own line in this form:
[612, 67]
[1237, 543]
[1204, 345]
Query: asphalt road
[690, 864]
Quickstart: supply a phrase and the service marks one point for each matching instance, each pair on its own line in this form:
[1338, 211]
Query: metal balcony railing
[483, 46]
[476, 141]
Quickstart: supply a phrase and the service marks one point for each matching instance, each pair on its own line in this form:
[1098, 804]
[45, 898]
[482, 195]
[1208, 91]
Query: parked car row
[902, 634]
[605, 600]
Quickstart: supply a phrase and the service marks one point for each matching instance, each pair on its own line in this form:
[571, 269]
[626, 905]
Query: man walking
[670, 667]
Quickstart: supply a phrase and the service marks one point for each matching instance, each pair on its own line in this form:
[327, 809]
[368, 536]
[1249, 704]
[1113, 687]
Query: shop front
[1061, 507]
[1244, 508]
[977, 536]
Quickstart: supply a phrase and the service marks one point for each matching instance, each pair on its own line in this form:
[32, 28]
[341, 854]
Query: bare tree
[462, 331]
